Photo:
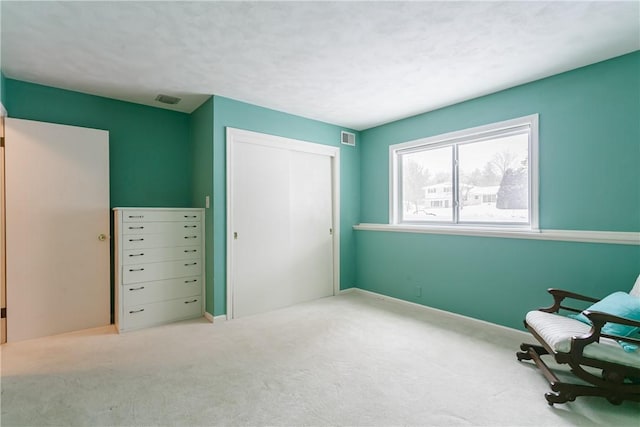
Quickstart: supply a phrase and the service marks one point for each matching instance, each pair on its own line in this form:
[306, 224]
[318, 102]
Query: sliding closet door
[57, 227]
[282, 220]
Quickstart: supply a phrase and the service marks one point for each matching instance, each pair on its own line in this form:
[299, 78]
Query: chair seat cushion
[557, 331]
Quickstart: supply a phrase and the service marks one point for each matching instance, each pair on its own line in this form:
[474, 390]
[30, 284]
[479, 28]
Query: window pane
[494, 180]
[427, 193]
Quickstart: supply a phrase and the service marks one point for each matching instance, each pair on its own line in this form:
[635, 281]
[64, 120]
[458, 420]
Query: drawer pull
[190, 263]
[136, 289]
[136, 240]
[140, 254]
[190, 237]
[191, 302]
[136, 216]
[136, 228]
[136, 311]
[136, 269]
[186, 251]
[191, 216]
[191, 281]
[190, 226]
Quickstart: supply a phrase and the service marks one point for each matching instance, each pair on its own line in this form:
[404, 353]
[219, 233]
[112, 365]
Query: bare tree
[415, 177]
[503, 161]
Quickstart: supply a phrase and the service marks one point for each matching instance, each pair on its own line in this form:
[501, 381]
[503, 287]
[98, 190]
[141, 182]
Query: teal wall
[149, 153]
[230, 113]
[589, 180]
[492, 279]
[201, 137]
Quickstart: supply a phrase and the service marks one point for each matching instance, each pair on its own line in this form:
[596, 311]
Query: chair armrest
[598, 319]
[559, 296]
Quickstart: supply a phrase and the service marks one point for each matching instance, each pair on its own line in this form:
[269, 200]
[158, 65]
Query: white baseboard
[215, 319]
[522, 334]
[346, 291]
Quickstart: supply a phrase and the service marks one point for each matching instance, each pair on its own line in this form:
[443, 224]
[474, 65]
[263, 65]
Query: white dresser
[159, 266]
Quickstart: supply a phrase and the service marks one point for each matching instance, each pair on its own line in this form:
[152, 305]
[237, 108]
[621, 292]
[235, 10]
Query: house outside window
[480, 177]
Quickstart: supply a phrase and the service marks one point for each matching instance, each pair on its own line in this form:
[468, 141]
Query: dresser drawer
[149, 292]
[137, 273]
[179, 238]
[143, 256]
[160, 227]
[152, 216]
[161, 312]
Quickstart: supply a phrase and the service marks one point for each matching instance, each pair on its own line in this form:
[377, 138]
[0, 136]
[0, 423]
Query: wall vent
[166, 99]
[348, 138]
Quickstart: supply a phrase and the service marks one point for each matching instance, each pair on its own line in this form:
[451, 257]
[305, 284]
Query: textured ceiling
[355, 64]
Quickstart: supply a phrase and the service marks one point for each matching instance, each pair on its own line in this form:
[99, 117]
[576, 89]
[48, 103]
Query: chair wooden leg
[562, 392]
[526, 348]
[556, 398]
[568, 392]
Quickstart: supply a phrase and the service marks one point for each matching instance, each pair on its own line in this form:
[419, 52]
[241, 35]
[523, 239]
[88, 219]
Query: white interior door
[57, 208]
[281, 217]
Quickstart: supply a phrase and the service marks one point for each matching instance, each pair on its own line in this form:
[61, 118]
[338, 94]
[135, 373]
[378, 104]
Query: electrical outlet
[418, 291]
[206, 202]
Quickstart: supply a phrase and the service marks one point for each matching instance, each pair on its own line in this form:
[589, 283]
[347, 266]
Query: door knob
[102, 237]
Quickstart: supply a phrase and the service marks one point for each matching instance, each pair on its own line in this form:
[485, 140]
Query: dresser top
[156, 209]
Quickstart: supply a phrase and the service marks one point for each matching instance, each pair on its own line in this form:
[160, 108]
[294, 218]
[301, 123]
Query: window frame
[466, 136]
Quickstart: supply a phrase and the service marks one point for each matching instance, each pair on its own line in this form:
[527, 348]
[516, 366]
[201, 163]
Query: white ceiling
[354, 64]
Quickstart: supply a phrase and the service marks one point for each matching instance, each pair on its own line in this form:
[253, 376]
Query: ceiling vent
[348, 138]
[166, 99]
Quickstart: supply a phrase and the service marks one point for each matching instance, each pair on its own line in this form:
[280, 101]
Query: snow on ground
[486, 212]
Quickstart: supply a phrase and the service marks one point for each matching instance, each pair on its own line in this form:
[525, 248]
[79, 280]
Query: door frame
[233, 136]
[3, 264]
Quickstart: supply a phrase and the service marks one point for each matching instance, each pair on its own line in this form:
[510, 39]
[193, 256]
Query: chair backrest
[635, 291]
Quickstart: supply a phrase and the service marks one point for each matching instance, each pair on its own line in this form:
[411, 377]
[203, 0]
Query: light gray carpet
[345, 360]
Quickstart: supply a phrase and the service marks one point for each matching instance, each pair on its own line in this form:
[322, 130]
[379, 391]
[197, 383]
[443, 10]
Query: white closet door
[310, 225]
[282, 214]
[57, 206]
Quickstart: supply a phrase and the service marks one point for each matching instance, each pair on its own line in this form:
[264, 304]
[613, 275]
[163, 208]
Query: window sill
[583, 236]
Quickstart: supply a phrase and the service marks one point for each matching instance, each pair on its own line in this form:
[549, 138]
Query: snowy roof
[491, 189]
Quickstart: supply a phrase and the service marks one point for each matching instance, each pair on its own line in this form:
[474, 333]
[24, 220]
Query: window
[480, 177]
